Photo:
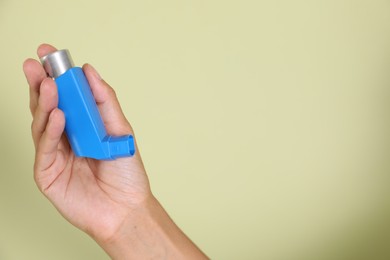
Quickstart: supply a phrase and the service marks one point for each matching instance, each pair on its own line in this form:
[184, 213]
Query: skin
[109, 200]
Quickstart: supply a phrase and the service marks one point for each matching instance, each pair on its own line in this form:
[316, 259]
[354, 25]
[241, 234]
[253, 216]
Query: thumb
[108, 104]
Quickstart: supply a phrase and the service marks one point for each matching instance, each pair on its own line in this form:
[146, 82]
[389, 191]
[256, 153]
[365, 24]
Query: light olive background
[263, 125]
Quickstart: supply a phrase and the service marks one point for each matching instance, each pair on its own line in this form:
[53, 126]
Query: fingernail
[95, 72]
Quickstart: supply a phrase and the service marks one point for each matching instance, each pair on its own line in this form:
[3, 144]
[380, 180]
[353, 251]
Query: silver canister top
[57, 63]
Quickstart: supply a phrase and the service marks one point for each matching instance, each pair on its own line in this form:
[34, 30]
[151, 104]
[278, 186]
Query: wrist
[148, 232]
[129, 239]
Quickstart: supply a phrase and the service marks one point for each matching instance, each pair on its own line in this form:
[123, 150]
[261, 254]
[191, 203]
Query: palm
[91, 193]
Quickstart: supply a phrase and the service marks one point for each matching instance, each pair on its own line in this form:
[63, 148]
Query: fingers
[109, 107]
[48, 121]
[35, 74]
[47, 148]
[45, 49]
[47, 102]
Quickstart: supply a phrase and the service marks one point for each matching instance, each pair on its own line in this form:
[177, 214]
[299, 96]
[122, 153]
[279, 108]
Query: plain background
[263, 125]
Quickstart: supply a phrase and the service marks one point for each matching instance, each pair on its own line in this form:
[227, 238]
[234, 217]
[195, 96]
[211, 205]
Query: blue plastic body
[84, 126]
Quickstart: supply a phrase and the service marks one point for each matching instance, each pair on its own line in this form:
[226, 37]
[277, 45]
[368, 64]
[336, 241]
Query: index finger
[35, 74]
[45, 49]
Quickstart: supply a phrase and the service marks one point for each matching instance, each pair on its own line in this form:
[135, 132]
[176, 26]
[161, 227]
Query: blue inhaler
[84, 126]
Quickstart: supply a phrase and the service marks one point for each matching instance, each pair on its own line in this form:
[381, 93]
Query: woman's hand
[109, 200]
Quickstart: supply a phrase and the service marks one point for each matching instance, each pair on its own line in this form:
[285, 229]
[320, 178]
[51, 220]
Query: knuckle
[128, 128]
[32, 126]
[32, 107]
[110, 91]
[35, 128]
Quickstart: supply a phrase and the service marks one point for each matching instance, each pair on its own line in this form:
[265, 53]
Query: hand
[93, 195]
[109, 200]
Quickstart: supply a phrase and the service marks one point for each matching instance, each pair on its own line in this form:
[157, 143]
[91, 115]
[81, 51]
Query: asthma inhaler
[84, 126]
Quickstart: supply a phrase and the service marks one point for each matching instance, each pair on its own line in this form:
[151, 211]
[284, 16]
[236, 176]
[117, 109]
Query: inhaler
[84, 126]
